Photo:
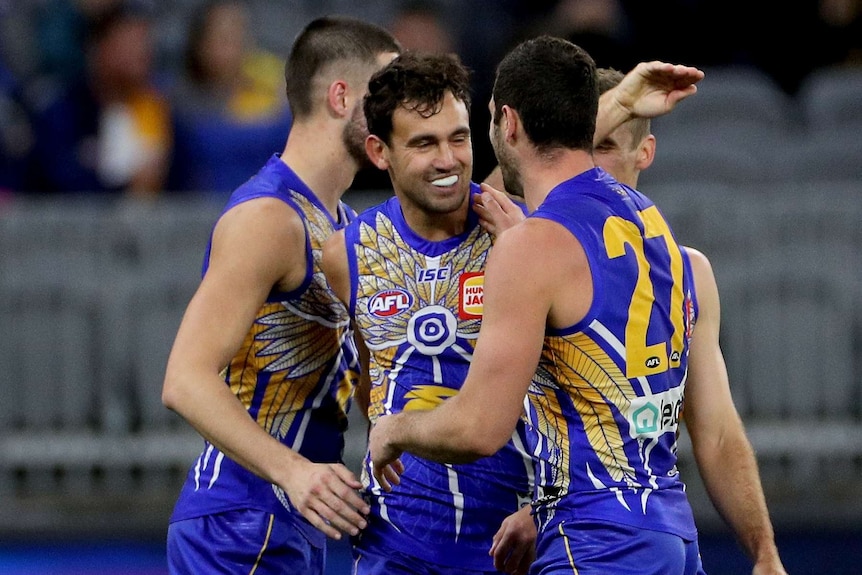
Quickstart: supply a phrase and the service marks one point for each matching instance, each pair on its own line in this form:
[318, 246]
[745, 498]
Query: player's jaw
[437, 192]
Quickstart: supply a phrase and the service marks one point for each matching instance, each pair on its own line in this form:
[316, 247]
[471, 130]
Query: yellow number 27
[643, 359]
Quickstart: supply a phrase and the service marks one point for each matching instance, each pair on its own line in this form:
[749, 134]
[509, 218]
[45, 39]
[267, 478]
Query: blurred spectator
[16, 136]
[809, 34]
[109, 130]
[832, 33]
[419, 26]
[601, 27]
[843, 22]
[230, 112]
[61, 30]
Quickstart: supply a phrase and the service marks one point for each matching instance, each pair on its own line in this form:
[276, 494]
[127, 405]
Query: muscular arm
[528, 259]
[723, 453]
[243, 269]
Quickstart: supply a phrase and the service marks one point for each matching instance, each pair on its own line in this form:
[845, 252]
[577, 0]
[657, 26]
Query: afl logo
[388, 303]
[652, 362]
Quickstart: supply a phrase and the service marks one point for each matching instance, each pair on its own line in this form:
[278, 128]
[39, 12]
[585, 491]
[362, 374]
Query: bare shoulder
[705, 287]
[266, 216]
[262, 236]
[698, 258]
[701, 267]
[542, 258]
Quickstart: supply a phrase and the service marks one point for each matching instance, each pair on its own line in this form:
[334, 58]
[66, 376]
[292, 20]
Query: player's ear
[510, 123]
[336, 98]
[646, 153]
[378, 152]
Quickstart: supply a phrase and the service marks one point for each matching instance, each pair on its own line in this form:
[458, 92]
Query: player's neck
[318, 156]
[542, 174]
[435, 227]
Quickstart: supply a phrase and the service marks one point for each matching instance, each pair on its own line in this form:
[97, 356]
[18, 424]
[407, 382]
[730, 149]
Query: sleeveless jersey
[294, 373]
[418, 306]
[609, 390]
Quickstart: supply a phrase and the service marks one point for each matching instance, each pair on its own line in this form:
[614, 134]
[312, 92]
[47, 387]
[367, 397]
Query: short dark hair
[416, 82]
[324, 41]
[551, 83]
[609, 78]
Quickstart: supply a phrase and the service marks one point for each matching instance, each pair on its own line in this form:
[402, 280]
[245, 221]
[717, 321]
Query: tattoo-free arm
[723, 453]
[480, 419]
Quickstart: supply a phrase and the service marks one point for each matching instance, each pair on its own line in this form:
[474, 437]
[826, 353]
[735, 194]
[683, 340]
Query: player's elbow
[169, 395]
[486, 442]
[172, 391]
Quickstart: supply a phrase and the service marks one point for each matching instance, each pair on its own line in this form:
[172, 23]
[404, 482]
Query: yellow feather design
[595, 384]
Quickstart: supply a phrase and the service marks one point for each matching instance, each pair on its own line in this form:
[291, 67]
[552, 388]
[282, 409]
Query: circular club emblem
[432, 330]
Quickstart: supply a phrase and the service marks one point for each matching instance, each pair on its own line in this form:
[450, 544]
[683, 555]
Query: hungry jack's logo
[471, 292]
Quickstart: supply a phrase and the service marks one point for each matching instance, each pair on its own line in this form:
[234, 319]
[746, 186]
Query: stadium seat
[832, 98]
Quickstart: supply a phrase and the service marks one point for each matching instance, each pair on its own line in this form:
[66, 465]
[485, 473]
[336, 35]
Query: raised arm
[723, 453]
[649, 90]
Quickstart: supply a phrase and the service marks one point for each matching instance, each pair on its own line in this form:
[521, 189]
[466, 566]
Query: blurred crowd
[147, 98]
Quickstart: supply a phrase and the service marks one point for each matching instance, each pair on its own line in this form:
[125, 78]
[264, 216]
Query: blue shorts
[594, 548]
[374, 558]
[241, 542]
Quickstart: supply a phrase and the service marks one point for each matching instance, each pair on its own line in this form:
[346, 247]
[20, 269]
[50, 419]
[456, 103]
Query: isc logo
[389, 302]
[433, 274]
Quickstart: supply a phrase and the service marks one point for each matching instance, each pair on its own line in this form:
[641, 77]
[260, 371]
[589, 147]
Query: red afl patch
[387, 303]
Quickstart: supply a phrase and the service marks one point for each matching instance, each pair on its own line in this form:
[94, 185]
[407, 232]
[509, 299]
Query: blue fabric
[594, 548]
[240, 542]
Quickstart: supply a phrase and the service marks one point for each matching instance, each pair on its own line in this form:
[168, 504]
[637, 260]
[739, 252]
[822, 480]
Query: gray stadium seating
[91, 293]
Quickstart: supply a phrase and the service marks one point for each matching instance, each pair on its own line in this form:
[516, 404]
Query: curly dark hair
[416, 82]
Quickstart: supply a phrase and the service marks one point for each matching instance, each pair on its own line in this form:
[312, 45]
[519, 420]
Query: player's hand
[326, 494]
[653, 88]
[496, 210]
[514, 544]
[386, 467]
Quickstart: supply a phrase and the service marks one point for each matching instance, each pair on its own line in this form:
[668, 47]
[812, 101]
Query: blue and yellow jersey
[418, 306]
[609, 390]
[295, 371]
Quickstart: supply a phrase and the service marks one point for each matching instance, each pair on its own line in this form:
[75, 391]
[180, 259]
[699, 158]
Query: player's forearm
[611, 115]
[442, 435]
[729, 470]
[222, 420]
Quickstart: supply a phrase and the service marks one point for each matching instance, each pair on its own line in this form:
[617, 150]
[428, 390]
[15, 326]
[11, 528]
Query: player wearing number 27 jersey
[607, 400]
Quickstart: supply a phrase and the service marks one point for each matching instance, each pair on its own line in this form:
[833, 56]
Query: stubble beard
[354, 135]
[509, 169]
